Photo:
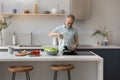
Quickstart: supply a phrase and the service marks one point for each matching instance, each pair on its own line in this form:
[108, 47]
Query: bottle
[105, 41]
[14, 39]
[35, 7]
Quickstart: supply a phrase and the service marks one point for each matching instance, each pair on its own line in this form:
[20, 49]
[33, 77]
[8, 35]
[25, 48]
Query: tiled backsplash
[7, 38]
[25, 39]
[41, 38]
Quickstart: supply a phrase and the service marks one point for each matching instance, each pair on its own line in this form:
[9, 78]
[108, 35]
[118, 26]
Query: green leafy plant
[4, 21]
[101, 31]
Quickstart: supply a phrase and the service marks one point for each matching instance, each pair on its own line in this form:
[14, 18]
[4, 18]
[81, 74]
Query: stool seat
[62, 67]
[20, 68]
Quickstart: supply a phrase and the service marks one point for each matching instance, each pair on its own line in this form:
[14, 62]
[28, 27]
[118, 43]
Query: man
[66, 34]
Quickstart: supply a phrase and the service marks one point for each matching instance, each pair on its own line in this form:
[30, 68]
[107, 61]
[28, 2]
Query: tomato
[35, 52]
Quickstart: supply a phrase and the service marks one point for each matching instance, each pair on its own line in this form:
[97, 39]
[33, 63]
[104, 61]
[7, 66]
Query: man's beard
[68, 27]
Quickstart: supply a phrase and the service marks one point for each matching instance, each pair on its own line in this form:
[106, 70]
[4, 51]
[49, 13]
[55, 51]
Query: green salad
[51, 49]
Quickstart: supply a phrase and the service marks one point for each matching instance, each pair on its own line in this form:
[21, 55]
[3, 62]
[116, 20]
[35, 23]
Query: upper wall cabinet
[80, 8]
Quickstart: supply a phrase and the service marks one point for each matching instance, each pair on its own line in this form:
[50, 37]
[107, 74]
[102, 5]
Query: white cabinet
[80, 8]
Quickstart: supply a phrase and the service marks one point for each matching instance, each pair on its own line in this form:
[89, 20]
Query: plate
[33, 55]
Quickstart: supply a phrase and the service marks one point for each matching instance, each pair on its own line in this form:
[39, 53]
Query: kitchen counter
[99, 47]
[82, 46]
[87, 67]
[5, 56]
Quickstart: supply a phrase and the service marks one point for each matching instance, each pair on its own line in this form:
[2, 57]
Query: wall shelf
[32, 14]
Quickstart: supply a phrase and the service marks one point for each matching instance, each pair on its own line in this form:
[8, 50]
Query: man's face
[69, 22]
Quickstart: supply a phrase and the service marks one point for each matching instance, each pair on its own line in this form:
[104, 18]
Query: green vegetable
[51, 49]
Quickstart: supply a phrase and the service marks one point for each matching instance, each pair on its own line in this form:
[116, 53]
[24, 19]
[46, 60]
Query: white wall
[103, 13]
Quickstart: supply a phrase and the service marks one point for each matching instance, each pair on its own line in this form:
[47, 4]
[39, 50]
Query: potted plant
[4, 23]
[103, 32]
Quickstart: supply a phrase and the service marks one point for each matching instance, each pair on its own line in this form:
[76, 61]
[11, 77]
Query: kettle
[55, 41]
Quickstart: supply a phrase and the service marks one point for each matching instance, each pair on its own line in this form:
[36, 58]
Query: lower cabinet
[111, 62]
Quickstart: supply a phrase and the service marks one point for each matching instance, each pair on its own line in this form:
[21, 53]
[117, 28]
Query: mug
[14, 10]
[10, 50]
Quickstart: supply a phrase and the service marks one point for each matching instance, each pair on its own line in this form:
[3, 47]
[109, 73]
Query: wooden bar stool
[62, 67]
[15, 69]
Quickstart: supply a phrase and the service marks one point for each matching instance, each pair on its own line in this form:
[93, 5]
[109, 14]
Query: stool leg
[55, 75]
[27, 76]
[13, 75]
[69, 76]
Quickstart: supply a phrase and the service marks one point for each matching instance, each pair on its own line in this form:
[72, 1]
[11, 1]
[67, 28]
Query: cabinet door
[80, 8]
[111, 63]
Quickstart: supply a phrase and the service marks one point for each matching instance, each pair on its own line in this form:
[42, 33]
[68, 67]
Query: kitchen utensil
[55, 41]
[67, 51]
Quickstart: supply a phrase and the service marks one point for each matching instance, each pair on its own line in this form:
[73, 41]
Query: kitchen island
[87, 67]
[110, 54]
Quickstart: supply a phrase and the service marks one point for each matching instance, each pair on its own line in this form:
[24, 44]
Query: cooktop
[85, 53]
[82, 53]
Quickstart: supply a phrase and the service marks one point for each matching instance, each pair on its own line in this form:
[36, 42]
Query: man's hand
[74, 47]
[59, 35]
[54, 34]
